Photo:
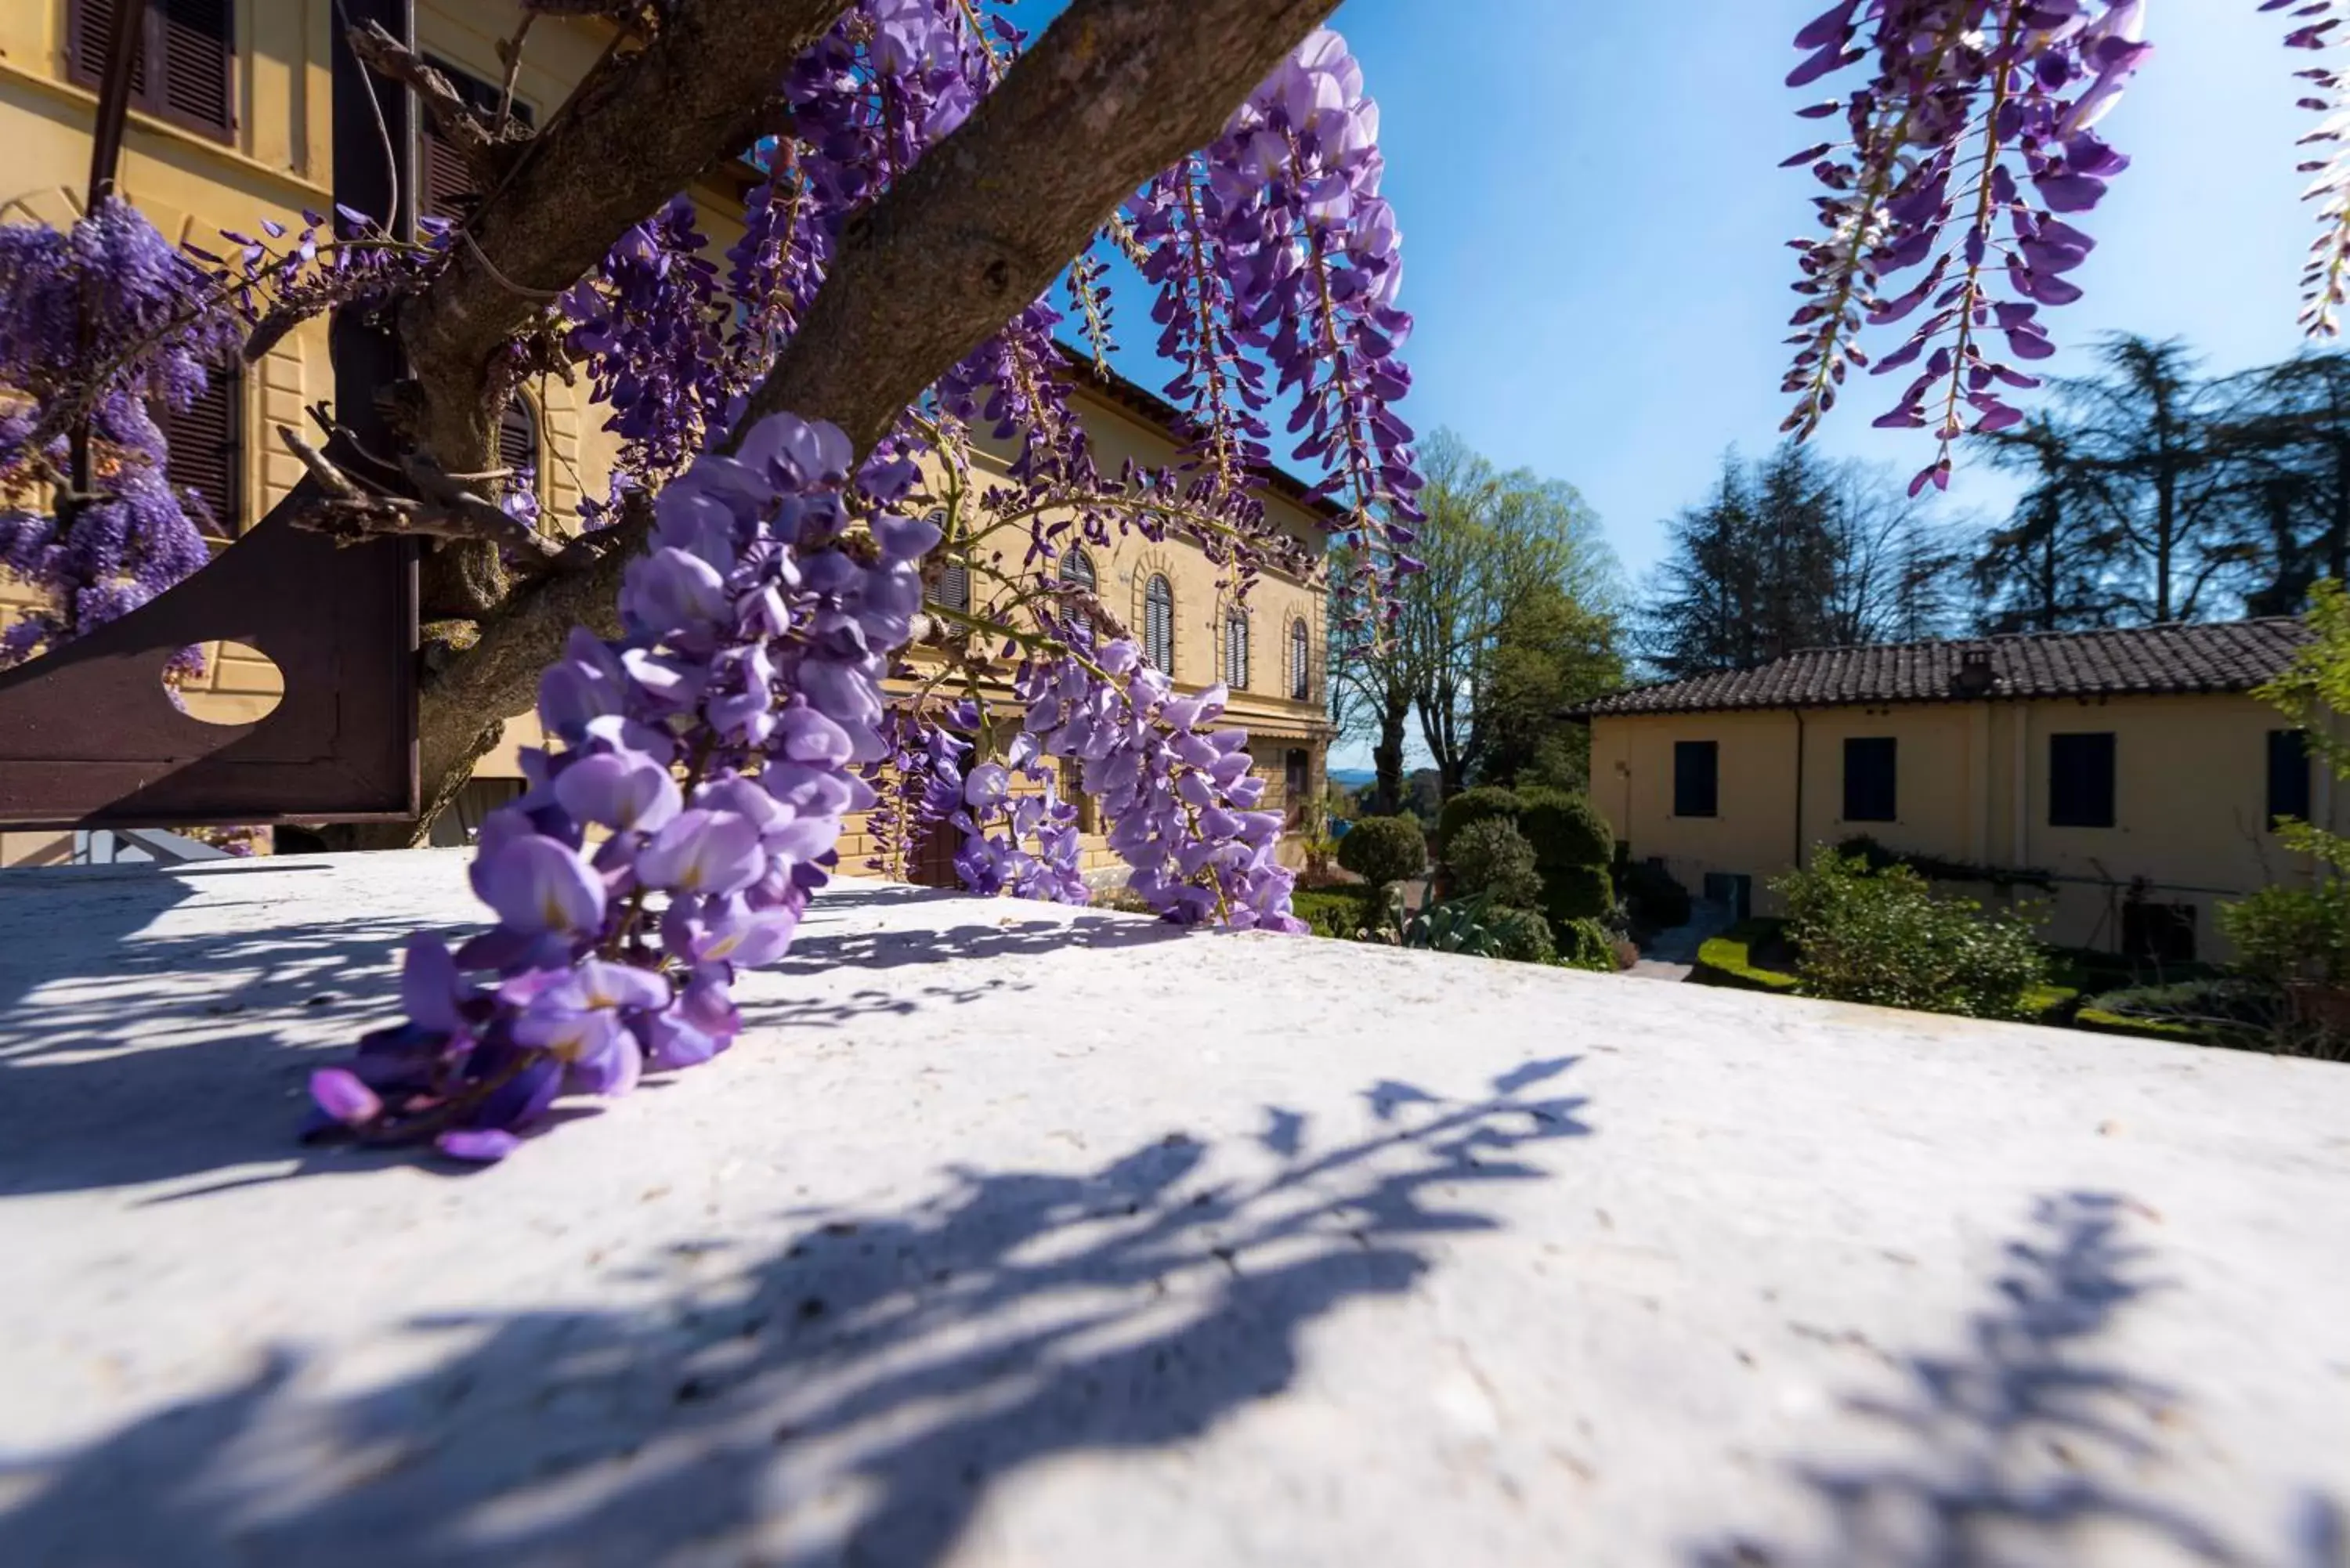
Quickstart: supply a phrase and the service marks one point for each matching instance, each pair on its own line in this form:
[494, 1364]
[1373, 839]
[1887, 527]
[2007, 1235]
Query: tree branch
[1115, 91]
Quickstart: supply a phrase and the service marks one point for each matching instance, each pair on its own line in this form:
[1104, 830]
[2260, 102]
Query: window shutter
[1870, 777]
[1158, 626]
[1697, 778]
[518, 438]
[2081, 779]
[2288, 790]
[444, 187]
[205, 441]
[1301, 662]
[199, 50]
[89, 25]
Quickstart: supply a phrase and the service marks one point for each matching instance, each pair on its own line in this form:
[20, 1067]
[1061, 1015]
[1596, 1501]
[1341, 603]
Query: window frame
[1861, 805]
[2067, 795]
[1159, 623]
[1236, 641]
[154, 98]
[2300, 792]
[1301, 657]
[1684, 753]
[224, 384]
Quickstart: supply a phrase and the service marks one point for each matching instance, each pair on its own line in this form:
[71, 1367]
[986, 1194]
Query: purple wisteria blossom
[1970, 147]
[689, 802]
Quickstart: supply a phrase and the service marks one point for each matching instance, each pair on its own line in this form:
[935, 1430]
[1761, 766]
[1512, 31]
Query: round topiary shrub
[1565, 830]
[1383, 849]
[1491, 855]
[1576, 893]
[1483, 803]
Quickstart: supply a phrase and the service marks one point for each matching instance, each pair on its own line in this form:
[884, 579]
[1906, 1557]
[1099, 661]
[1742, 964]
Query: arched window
[951, 587]
[1237, 649]
[1301, 662]
[1078, 570]
[1158, 625]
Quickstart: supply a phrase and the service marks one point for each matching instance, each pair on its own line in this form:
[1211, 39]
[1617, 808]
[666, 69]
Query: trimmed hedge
[1344, 913]
[1521, 936]
[1576, 893]
[1491, 855]
[1565, 830]
[1381, 849]
[1482, 803]
[1728, 960]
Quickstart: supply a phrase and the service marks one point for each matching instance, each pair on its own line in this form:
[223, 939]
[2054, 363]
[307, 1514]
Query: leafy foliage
[1479, 927]
[1384, 850]
[1882, 936]
[1586, 945]
[1348, 914]
[1492, 857]
[1486, 802]
[1566, 830]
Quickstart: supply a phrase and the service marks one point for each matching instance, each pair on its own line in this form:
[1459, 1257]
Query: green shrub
[1882, 936]
[1728, 959]
[1349, 914]
[1383, 849]
[2210, 1012]
[1576, 893]
[1483, 803]
[1455, 925]
[1521, 936]
[1565, 830]
[1654, 900]
[1587, 944]
[1491, 855]
[2284, 934]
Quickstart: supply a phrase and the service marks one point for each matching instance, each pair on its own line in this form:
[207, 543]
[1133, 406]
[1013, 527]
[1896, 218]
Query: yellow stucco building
[2132, 767]
[237, 124]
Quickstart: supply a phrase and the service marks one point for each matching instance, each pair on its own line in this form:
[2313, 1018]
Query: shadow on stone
[155, 1058]
[2019, 1443]
[849, 1398]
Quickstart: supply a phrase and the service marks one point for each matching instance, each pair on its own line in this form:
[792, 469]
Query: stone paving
[1012, 1235]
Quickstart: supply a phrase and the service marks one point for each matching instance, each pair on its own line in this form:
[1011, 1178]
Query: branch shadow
[850, 1399]
[2016, 1445]
[192, 1038]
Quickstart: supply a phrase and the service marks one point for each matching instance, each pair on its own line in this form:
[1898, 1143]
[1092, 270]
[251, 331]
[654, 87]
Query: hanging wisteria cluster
[692, 801]
[2315, 26]
[107, 326]
[1970, 145]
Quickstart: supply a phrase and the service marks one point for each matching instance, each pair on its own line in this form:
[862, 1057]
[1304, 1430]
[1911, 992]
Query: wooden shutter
[1301, 662]
[205, 440]
[186, 68]
[199, 55]
[444, 187]
[88, 24]
[1158, 626]
[518, 438]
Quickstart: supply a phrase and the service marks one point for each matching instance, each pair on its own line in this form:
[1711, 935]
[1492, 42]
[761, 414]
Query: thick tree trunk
[1387, 759]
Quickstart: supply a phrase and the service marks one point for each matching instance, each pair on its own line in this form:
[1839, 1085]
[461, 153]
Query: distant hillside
[1353, 778]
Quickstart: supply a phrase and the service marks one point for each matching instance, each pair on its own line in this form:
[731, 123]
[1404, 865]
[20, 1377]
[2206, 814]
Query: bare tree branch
[1115, 91]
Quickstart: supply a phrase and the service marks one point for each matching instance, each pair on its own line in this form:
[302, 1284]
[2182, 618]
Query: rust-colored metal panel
[88, 738]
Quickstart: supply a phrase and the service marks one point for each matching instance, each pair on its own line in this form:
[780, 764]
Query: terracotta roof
[2220, 656]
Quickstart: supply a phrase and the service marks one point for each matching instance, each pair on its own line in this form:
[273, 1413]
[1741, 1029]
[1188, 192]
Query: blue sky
[1595, 226]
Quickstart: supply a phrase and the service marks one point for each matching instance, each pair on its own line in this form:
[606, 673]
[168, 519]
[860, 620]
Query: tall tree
[2281, 437]
[1550, 652]
[2138, 436]
[1492, 542]
[2049, 568]
[1795, 552]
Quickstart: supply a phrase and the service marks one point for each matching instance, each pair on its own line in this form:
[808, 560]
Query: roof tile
[2218, 656]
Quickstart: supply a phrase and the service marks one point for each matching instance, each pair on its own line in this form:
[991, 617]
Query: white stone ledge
[1017, 1236]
